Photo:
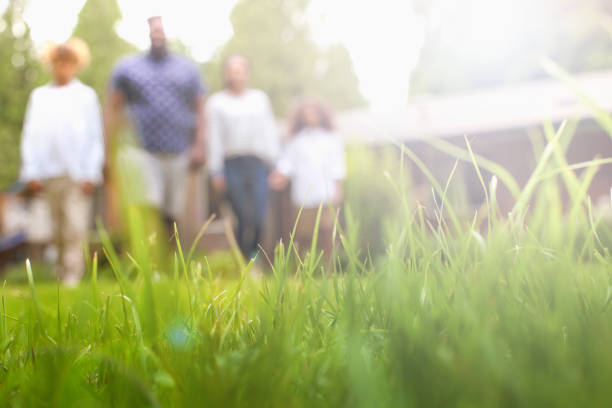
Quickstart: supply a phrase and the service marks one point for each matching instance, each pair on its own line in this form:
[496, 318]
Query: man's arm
[197, 155]
[92, 163]
[113, 108]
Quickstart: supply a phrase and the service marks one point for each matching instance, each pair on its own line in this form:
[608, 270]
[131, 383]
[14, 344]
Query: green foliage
[97, 27]
[369, 193]
[286, 62]
[19, 73]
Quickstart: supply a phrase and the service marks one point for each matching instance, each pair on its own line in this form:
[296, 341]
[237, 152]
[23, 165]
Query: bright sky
[383, 37]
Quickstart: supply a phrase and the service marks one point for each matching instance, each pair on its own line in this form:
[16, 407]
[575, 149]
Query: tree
[286, 62]
[335, 79]
[571, 32]
[97, 27]
[19, 73]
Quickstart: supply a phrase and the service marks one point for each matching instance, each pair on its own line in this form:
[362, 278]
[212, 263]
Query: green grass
[517, 323]
[485, 312]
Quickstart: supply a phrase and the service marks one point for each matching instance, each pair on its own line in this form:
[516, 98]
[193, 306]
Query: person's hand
[197, 157]
[277, 181]
[87, 187]
[219, 183]
[35, 186]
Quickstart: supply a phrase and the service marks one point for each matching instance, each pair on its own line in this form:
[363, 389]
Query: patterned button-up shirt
[161, 94]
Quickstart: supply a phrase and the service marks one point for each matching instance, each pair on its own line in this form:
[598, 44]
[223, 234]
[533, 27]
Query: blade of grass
[482, 182]
[33, 292]
[502, 174]
[523, 199]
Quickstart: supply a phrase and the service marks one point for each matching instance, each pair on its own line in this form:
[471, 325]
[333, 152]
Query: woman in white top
[313, 160]
[62, 151]
[243, 143]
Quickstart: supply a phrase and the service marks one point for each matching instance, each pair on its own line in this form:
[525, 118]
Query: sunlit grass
[490, 311]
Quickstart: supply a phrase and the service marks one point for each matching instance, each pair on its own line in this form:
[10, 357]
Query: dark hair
[296, 118]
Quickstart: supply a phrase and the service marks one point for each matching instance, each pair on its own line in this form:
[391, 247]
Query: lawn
[493, 311]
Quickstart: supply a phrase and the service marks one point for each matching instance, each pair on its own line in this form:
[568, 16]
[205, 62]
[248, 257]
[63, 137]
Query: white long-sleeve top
[62, 134]
[240, 125]
[314, 161]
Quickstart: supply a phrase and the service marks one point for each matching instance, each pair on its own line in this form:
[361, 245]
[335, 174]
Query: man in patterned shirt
[165, 100]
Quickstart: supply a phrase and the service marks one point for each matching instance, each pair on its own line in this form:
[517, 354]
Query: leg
[304, 230]
[326, 232]
[260, 194]
[174, 169]
[76, 207]
[53, 195]
[140, 177]
[236, 194]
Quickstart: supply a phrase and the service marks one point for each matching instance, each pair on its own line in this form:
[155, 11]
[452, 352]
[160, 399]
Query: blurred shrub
[19, 73]
[370, 197]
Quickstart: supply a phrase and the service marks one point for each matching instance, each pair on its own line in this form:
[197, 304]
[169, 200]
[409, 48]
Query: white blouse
[240, 125]
[62, 134]
[314, 161]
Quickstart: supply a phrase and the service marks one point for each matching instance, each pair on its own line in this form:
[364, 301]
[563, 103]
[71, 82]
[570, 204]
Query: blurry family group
[66, 139]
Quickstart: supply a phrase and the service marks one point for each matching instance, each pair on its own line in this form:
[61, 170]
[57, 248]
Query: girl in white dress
[313, 161]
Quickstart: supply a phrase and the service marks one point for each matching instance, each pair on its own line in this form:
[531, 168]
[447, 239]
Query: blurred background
[408, 72]
[353, 53]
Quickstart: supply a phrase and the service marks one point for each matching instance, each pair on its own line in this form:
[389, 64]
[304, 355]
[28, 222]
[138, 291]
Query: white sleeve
[93, 157]
[285, 164]
[338, 164]
[272, 135]
[31, 143]
[214, 138]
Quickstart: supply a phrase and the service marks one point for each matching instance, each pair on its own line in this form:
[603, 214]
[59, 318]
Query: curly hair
[74, 49]
[296, 117]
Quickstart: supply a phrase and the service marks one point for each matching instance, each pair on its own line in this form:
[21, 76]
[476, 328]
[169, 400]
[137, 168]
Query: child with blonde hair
[62, 151]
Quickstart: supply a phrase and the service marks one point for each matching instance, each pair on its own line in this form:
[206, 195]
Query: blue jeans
[247, 191]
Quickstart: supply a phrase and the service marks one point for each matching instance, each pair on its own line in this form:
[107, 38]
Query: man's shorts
[155, 179]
